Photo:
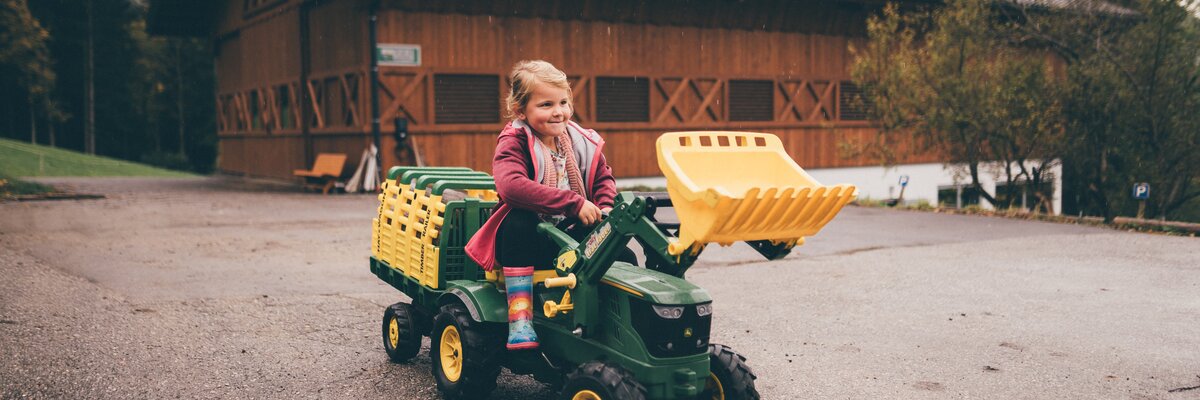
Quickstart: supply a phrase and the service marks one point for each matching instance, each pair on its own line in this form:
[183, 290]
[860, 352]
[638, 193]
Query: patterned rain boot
[519, 281]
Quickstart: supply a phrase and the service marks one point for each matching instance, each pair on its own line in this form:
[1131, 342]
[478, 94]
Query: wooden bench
[325, 171]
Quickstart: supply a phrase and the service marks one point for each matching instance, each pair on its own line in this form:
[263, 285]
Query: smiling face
[548, 110]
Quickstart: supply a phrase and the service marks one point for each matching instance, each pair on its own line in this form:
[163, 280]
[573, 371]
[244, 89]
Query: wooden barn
[295, 76]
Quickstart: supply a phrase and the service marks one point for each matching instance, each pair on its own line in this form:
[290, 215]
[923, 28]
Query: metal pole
[374, 17]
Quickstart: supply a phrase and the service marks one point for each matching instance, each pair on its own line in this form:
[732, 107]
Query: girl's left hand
[589, 214]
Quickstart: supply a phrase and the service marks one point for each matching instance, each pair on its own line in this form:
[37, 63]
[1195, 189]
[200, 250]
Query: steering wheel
[570, 223]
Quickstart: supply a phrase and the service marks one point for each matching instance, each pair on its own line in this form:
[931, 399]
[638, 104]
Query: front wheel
[600, 381]
[465, 354]
[729, 377]
[401, 339]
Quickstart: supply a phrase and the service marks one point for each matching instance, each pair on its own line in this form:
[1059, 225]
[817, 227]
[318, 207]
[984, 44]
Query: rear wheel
[465, 354]
[600, 381]
[729, 377]
[401, 339]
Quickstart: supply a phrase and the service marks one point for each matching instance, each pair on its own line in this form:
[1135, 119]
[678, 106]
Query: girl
[546, 168]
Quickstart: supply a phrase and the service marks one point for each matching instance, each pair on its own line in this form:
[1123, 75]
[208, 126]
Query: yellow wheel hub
[586, 395]
[451, 353]
[713, 385]
[394, 333]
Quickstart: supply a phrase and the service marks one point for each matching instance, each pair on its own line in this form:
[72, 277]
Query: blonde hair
[524, 76]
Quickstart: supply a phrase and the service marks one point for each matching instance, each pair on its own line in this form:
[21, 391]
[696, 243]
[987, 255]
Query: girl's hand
[589, 213]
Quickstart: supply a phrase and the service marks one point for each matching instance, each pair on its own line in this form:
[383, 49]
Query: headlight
[704, 309]
[668, 312]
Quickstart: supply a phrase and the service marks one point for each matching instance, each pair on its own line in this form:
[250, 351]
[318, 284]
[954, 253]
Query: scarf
[565, 147]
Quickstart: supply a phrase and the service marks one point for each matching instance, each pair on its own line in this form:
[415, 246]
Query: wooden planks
[689, 69]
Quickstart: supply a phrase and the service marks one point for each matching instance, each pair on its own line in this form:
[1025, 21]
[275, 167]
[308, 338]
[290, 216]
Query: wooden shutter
[751, 100]
[622, 99]
[852, 103]
[466, 99]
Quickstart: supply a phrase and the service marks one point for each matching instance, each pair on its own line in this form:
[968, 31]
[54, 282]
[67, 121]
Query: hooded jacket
[518, 174]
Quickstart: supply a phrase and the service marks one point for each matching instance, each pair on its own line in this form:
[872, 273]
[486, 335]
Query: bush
[175, 161]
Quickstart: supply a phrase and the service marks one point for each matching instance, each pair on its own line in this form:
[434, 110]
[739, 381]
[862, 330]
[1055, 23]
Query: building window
[466, 99]
[1024, 194]
[751, 100]
[957, 196]
[852, 103]
[622, 99]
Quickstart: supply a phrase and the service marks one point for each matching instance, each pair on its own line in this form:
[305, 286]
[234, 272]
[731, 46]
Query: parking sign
[1141, 191]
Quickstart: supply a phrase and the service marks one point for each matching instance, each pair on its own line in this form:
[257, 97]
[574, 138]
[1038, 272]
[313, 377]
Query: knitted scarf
[563, 142]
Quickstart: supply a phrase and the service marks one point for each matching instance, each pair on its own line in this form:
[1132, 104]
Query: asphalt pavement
[221, 288]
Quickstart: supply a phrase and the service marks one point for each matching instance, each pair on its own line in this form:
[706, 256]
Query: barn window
[622, 99]
[751, 100]
[466, 99]
[852, 102]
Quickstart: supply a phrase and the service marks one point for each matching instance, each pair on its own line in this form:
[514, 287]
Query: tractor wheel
[401, 339]
[465, 354]
[729, 377]
[600, 381]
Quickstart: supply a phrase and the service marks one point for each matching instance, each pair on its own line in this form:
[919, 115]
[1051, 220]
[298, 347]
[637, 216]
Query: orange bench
[325, 171]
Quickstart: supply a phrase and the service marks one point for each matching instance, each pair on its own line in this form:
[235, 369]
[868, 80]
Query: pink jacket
[517, 172]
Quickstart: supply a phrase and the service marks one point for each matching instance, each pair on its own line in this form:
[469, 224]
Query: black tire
[477, 362]
[730, 378]
[401, 339]
[605, 381]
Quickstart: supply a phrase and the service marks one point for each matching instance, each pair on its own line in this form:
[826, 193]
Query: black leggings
[518, 243]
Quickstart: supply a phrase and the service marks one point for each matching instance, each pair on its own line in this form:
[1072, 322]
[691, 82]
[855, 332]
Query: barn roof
[837, 17]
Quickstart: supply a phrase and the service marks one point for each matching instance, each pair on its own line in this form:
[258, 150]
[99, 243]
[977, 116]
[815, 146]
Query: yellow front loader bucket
[740, 186]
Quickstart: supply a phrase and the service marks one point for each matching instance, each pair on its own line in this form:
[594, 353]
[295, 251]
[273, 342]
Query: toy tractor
[607, 329]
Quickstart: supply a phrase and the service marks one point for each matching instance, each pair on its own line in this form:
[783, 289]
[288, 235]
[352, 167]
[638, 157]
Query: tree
[1132, 100]
[25, 59]
[950, 78]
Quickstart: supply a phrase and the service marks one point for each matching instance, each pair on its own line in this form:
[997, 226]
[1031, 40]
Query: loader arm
[587, 261]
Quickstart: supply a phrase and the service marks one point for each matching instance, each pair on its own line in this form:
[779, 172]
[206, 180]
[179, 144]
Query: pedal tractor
[608, 329]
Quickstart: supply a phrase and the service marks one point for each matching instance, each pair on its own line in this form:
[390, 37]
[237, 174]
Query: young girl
[546, 168]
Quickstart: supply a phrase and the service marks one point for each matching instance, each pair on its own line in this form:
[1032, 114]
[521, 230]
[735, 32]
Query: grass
[641, 188]
[1126, 224]
[10, 187]
[19, 159]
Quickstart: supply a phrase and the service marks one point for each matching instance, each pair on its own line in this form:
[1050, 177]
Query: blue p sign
[903, 180]
[1141, 191]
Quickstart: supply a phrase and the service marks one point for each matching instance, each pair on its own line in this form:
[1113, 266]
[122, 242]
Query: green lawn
[18, 159]
[10, 187]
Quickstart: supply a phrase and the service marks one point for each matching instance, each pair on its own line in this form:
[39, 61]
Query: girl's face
[548, 110]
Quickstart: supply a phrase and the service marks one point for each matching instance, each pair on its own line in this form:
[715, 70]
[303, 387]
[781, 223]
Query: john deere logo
[687, 332]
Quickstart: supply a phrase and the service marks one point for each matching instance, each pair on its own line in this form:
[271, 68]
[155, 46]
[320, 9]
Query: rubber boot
[519, 281]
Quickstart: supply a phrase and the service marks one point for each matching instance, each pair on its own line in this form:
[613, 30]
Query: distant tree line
[84, 75]
[1111, 92]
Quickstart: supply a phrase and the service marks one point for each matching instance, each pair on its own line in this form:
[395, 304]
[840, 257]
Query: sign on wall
[398, 55]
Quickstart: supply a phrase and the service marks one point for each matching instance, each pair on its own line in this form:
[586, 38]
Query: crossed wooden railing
[338, 101]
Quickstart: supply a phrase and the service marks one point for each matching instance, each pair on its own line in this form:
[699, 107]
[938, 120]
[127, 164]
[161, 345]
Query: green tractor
[607, 329]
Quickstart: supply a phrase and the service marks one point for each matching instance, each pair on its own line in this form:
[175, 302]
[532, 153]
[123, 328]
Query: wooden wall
[668, 55]
[259, 91]
[689, 68]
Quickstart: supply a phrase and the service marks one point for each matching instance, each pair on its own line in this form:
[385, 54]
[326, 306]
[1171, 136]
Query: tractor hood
[654, 287]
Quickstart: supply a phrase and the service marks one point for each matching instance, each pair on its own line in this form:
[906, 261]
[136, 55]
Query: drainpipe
[305, 106]
[374, 16]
